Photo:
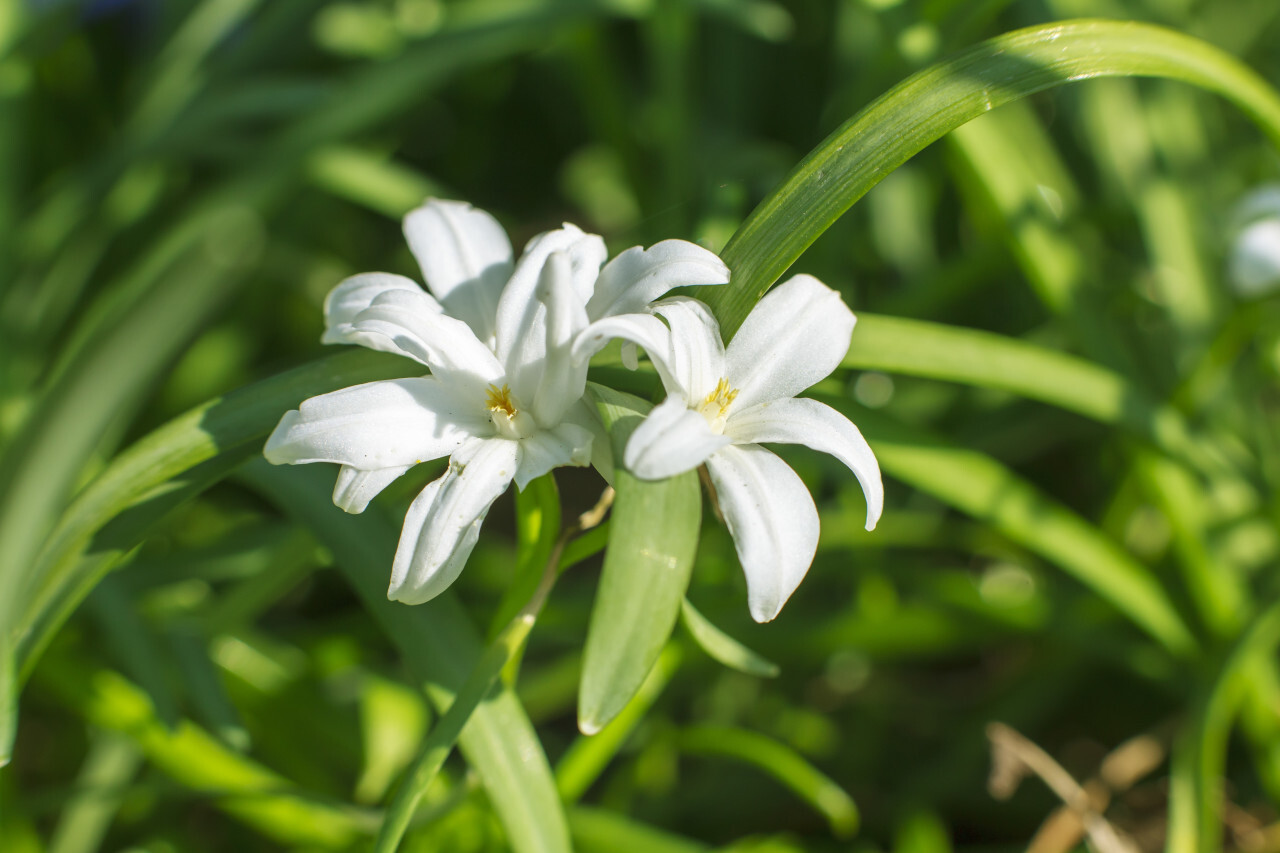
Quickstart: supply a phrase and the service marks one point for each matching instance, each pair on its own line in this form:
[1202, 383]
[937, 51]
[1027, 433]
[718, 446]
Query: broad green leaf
[722, 647]
[937, 100]
[782, 763]
[653, 537]
[440, 647]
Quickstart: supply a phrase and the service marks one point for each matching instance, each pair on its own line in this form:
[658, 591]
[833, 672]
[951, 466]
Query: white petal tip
[589, 727]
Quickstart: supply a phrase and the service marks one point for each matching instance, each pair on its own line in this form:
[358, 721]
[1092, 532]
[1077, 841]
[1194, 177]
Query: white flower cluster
[507, 344]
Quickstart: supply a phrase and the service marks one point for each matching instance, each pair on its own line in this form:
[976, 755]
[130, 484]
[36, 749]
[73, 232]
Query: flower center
[506, 415]
[715, 407]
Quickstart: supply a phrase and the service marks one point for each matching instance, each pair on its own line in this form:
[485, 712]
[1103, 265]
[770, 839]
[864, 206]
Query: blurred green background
[182, 182]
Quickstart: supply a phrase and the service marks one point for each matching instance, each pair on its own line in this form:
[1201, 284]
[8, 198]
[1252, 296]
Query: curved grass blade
[782, 763]
[933, 102]
[653, 538]
[1200, 752]
[177, 460]
[597, 830]
[722, 647]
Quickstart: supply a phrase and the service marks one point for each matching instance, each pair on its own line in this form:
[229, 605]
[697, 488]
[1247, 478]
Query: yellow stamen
[499, 400]
[723, 396]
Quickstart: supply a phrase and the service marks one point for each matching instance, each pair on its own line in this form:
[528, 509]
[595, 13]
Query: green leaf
[110, 765]
[653, 538]
[782, 763]
[1199, 760]
[988, 360]
[440, 647]
[179, 459]
[608, 832]
[722, 647]
[937, 100]
[537, 528]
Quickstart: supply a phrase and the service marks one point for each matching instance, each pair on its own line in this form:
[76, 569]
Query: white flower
[723, 403]
[1253, 264]
[504, 398]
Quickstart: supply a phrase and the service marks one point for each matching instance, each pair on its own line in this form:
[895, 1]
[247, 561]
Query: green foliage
[1074, 413]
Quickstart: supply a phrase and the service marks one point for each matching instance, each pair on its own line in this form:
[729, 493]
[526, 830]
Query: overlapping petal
[447, 345]
[638, 276]
[696, 357]
[355, 294]
[815, 425]
[520, 329]
[566, 444]
[671, 440]
[772, 519]
[388, 424]
[562, 380]
[355, 488]
[465, 258]
[443, 522]
[795, 336]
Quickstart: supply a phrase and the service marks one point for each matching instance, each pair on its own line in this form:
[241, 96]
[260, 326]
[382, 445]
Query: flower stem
[505, 647]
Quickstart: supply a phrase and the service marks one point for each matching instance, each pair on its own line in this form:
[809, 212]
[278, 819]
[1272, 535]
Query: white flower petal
[353, 295]
[671, 440]
[445, 344]
[583, 415]
[567, 444]
[1254, 264]
[387, 424]
[643, 329]
[562, 380]
[796, 335]
[355, 488]
[443, 522]
[696, 358]
[520, 331]
[816, 425]
[773, 522]
[630, 354]
[636, 277]
[465, 258]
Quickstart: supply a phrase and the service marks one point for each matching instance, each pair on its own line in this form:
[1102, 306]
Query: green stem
[504, 649]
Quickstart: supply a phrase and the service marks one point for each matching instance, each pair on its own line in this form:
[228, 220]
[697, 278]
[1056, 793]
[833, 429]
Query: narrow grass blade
[722, 647]
[602, 831]
[782, 763]
[653, 538]
[109, 516]
[112, 761]
[939, 351]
